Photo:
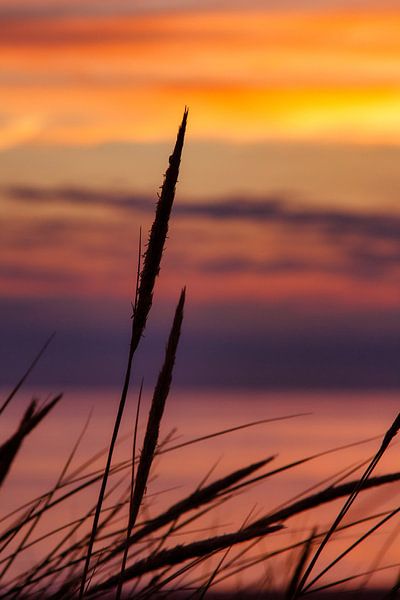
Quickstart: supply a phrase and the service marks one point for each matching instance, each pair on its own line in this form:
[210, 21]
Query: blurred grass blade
[26, 374]
[300, 566]
[199, 498]
[184, 552]
[388, 437]
[30, 420]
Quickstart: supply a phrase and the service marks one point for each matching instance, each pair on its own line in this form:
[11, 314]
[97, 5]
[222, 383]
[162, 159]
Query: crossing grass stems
[122, 545]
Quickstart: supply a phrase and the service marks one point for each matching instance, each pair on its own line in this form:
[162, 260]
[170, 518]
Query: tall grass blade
[360, 484]
[300, 566]
[156, 412]
[353, 545]
[209, 436]
[217, 569]
[26, 374]
[32, 417]
[33, 525]
[151, 267]
[199, 498]
[181, 553]
[327, 495]
[130, 524]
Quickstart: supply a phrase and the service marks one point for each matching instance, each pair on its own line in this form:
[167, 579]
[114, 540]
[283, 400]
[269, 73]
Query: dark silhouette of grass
[111, 548]
[388, 437]
[132, 492]
[25, 376]
[299, 567]
[31, 419]
[143, 303]
[153, 427]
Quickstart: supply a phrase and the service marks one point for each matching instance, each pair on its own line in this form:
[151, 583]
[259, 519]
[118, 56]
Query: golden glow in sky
[331, 75]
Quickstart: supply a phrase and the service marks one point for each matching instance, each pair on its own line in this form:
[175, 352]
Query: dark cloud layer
[269, 209]
[356, 264]
[366, 244]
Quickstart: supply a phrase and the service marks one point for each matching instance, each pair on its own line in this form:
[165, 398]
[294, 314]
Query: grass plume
[143, 302]
[153, 425]
[31, 419]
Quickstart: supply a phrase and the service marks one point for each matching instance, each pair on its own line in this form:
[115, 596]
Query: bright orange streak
[329, 75]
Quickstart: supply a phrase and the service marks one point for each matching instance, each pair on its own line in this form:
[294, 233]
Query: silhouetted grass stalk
[31, 419]
[143, 302]
[26, 374]
[358, 486]
[153, 427]
[130, 523]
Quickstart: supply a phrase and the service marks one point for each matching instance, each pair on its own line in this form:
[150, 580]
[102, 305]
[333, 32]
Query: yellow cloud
[327, 75]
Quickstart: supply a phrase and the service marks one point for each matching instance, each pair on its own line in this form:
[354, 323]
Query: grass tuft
[126, 539]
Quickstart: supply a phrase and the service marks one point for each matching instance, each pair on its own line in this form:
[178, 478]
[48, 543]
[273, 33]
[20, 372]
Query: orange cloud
[327, 75]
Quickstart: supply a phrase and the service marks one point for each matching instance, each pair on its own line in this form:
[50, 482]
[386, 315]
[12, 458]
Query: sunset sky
[286, 228]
